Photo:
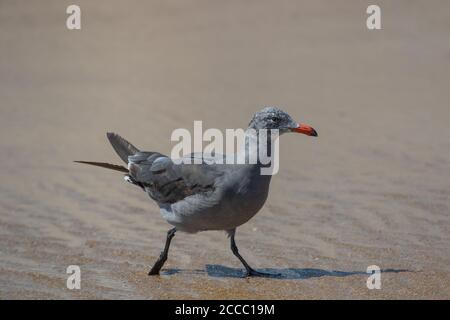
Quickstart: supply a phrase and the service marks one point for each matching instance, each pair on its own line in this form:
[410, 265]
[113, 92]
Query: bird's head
[275, 118]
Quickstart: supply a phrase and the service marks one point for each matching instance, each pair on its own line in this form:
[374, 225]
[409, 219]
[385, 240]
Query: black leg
[163, 256]
[249, 271]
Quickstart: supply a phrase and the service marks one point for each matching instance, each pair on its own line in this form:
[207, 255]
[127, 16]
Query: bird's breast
[236, 200]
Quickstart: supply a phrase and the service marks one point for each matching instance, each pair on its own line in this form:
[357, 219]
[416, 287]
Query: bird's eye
[276, 119]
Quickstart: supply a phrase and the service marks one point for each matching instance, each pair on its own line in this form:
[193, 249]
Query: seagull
[194, 197]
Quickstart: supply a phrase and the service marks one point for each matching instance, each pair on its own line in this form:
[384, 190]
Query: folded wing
[167, 182]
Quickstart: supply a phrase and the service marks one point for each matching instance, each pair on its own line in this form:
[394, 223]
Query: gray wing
[167, 182]
[122, 147]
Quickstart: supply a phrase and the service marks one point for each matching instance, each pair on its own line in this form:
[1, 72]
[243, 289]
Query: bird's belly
[223, 215]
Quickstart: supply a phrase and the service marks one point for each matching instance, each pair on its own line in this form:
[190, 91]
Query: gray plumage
[121, 146]
[199, 197]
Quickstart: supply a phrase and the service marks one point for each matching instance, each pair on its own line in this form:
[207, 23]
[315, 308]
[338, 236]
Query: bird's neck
[260, 147]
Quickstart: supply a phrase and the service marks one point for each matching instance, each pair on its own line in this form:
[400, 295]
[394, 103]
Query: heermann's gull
[199, 197]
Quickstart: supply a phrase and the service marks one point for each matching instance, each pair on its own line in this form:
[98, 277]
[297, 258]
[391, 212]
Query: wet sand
[372, 189]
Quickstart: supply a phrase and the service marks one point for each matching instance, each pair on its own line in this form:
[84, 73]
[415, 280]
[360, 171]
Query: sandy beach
[372, 189]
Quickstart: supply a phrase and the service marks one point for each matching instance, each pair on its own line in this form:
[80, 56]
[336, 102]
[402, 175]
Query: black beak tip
[314, 133]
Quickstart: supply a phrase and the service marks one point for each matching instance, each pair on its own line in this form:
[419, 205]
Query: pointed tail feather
[105, 165]
[121, 146]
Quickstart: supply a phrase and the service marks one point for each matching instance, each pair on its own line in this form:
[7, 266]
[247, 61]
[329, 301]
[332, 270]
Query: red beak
[305, 129]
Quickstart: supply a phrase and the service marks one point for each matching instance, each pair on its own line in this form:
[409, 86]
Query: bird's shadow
[219, 271]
